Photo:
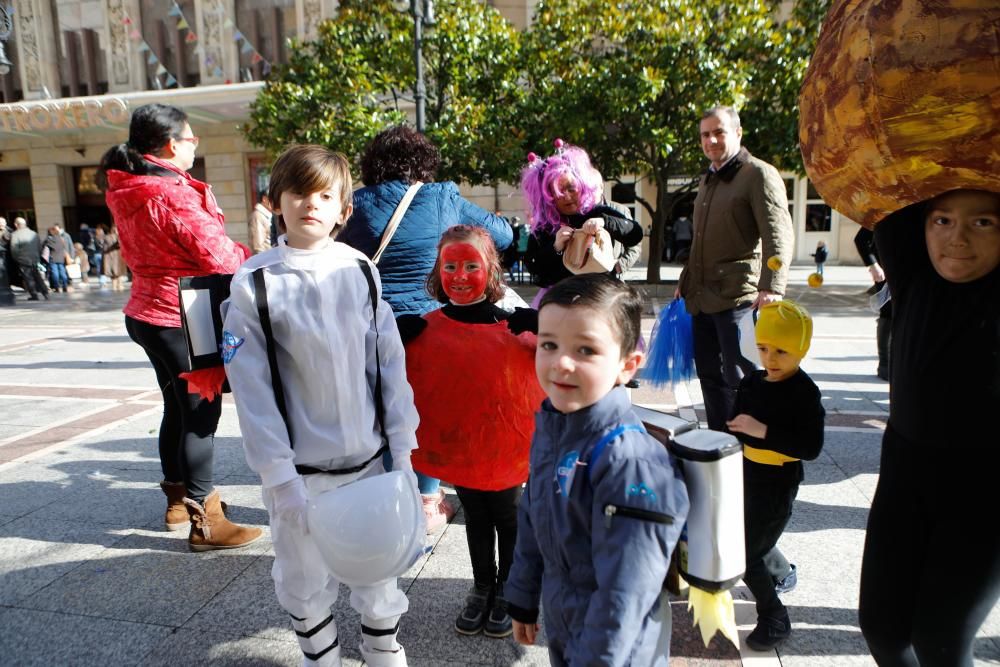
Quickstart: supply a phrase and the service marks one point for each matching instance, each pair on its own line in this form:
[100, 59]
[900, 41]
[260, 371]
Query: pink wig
[539, 182]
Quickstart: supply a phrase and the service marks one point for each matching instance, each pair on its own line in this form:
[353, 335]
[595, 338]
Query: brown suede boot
[177, 515]
[211, 530]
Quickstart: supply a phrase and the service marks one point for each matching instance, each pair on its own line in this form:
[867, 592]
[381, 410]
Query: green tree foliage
[628, 81]
[347, 85]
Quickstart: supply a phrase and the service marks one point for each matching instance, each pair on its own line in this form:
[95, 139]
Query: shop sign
[74, 115]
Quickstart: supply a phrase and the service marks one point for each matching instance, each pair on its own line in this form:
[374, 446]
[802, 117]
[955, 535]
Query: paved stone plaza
[89, 577]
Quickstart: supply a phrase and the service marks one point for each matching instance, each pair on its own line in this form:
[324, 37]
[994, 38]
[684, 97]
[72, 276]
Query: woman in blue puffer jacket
[394, 159]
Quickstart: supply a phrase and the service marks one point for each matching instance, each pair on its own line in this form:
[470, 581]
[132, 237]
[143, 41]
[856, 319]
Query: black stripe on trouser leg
[316, 656]
[375, 632]
[309, 633]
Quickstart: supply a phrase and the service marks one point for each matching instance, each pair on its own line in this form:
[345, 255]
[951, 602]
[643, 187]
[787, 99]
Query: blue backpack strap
[603, 442]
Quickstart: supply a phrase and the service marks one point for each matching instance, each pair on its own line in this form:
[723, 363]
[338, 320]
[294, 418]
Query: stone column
[215, 35]
[126, 66]
[37, 58]
[309, 13]
[47, 191]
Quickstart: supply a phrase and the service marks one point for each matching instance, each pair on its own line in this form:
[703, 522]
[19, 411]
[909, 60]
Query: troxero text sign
[58, 115]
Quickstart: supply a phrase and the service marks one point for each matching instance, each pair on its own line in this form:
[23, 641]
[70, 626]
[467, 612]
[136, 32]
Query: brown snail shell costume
[901, 103]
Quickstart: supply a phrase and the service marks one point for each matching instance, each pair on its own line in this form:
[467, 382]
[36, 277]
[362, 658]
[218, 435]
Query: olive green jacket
[741, 220]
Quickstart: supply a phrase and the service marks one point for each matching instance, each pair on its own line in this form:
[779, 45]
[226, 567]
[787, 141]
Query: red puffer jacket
[168, 227]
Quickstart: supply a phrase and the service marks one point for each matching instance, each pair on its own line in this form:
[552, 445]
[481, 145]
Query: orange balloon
[815, 280]
[774, 263]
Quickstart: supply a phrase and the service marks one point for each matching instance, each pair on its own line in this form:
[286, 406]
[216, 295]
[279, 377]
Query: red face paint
[463, 273]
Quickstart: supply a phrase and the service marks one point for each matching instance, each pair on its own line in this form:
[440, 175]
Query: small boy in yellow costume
[779, 418]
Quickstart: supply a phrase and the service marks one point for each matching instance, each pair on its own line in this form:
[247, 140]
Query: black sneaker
[499, 623]
[474, 616]
[769, 633]
[787, 584]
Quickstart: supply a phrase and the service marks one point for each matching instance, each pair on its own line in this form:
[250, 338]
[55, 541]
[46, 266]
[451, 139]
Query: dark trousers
[187, 431]
[768, 494]
[32, 280]
[931, 568]
[490, 517]
[719, 363]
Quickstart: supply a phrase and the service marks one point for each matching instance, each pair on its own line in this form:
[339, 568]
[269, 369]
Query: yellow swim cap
[786, 325]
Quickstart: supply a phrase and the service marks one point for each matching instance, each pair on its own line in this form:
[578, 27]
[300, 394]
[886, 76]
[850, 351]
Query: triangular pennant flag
[266, 69]
[152, 59]
[182, 24]
[228, 23]
[237, 36]
[246, 48]
[217, 72]
[191, 37]
[143, 47]
[127, 21]
[256, 58]
[170, 80]
[160, 69]
[209, 60]
[135, 34]
[176, 11]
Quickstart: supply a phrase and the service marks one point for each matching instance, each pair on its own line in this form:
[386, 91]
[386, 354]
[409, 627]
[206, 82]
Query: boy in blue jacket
[605, 503]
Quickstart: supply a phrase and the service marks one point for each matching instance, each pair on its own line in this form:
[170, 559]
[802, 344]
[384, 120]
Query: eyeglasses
[194, 140]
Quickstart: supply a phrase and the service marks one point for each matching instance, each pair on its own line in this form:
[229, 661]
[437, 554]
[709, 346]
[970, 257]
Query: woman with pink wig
[565, 193]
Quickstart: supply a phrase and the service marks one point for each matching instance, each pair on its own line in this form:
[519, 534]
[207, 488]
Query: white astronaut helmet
[369, 530]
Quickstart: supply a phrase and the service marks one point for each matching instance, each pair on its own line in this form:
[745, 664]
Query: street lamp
[6, 25]
[423, 15]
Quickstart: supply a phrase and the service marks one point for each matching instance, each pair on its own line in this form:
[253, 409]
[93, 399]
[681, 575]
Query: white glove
[291, 502]
[403, 464]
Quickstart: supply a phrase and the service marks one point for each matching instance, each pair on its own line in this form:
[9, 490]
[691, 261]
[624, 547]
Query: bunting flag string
[246, 47]
[143, 47]
[244, 44]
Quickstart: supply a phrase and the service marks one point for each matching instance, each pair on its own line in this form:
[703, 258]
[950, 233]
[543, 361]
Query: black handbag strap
[260, 292]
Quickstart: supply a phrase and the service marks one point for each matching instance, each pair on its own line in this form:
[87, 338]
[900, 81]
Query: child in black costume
[779, 418]
[937, 475]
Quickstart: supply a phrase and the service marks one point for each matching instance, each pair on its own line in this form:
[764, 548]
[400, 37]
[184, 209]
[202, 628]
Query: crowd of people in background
[58, 263]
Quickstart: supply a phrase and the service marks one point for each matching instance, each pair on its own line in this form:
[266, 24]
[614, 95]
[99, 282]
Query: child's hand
[748, 425]
[291, 502]
[525, 633]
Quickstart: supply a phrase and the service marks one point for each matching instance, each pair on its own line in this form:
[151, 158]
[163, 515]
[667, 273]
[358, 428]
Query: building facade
[78, 68]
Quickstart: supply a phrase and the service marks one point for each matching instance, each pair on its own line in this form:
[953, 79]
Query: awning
[227, 103]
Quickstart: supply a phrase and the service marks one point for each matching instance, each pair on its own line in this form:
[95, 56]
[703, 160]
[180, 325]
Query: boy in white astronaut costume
[324, 335]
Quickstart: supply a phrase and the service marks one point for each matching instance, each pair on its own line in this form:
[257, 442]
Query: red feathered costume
[475, 389]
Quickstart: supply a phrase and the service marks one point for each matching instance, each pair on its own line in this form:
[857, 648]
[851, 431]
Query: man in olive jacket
[741, 220]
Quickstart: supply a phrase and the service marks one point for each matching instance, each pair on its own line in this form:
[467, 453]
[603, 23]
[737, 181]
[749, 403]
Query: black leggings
[490, 515]
[931, 568]
[187, 431]
[768, 495]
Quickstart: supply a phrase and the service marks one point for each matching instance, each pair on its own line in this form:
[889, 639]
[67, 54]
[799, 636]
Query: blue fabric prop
[671, 353]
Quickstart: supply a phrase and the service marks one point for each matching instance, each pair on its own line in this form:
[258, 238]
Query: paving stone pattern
[89, 577]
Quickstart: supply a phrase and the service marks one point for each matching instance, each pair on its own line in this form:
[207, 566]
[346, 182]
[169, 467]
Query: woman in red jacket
[170, 226]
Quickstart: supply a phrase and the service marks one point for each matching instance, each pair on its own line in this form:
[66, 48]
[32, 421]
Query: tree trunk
[657, 235]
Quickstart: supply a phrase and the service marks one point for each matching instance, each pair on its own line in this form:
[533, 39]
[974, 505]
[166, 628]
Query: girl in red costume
[475, 428]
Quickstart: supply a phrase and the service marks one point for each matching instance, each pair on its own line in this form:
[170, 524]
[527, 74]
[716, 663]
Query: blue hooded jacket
[595, 534]
[410, 256]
